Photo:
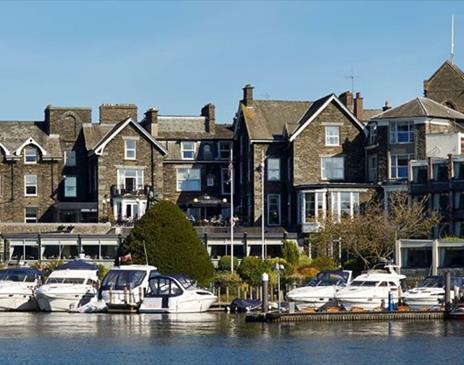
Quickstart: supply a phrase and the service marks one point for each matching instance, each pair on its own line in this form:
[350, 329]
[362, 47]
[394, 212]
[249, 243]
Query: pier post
[265, 279]
[447, 291]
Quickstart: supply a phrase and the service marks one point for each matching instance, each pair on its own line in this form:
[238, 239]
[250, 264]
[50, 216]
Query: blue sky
[178, 56]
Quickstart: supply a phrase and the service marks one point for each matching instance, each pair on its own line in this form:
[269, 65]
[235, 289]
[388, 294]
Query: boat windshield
[364, 283]
[439, 282]
[185, 281]
[120, 279]
[58, 280]
[9, 275]
[329, 278]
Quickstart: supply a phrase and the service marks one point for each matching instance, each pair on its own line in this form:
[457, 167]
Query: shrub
[251, 268]
[290, 252]
[323, 263]
[227, 279]
[171, 242]
[224, 263]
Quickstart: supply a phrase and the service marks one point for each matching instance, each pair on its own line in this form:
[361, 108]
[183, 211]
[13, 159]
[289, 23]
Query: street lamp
[279, 268]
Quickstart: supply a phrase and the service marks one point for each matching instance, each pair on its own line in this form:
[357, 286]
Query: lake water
[39, 338]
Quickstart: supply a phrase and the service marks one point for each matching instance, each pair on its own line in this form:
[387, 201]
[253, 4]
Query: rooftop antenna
[352, 77]
[452, 39]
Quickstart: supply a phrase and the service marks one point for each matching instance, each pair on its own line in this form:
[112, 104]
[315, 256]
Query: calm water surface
[36, 338]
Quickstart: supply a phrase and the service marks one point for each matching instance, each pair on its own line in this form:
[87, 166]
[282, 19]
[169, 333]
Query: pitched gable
[318, 107]
[118, 128]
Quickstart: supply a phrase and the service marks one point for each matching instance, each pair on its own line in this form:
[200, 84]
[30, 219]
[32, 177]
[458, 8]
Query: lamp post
[279, 268]
[231, 173]
[262, 166]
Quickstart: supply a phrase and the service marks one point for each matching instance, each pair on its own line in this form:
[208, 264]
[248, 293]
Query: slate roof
[268, 119]
[368, 114]
[446, 64]
[94, 133]
[13, 134]
[421, 107]
[178, 128]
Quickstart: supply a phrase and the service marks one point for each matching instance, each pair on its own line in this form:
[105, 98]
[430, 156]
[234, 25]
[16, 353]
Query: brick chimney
[151, 121]
[358, 106]
[115, 113]
[347, 99]
[209, 112]
[247, 95]
[386, 106]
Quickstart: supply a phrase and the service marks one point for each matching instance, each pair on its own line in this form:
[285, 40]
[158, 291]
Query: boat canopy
[77, 265]
[20, 274]
[329, 277]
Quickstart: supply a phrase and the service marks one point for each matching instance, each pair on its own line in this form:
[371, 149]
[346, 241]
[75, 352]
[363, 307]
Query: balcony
[130, 190]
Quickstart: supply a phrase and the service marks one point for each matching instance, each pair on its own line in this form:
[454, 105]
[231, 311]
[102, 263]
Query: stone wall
[309, 147]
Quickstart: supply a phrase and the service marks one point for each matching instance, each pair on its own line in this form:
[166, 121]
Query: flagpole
[231, 167]
[262, 204]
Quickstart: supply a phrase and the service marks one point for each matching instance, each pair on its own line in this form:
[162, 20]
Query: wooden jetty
[274, 317]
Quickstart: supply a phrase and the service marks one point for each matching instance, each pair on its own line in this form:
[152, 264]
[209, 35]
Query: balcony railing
[122, 191]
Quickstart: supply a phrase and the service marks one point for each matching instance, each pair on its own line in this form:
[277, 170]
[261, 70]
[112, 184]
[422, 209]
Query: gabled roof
[421, 107]
[445, 64]
[316, 108]
[15, 135]
[268, 119]
[115, 130]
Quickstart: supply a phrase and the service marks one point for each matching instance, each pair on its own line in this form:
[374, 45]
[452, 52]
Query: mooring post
[265, 295]
[447, 291]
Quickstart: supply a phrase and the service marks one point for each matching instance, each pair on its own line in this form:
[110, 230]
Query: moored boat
[321, 289]
[68, 287]
[17, 287]
[175, 294]
[371, 290]
[124, 287]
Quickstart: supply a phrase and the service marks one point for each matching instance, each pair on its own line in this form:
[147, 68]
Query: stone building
[310, 155]
[417, 129]
[67, 168]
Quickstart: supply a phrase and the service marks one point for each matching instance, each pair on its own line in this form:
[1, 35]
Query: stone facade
[446, 85]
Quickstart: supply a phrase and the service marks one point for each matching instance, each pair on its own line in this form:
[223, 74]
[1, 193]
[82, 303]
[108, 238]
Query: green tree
[224, 263]
[171, 242]
[290, 252]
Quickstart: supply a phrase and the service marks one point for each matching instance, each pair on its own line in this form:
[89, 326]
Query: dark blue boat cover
[77, 265]
[20, 271]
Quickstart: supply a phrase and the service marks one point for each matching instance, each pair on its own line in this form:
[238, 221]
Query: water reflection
[209, 337]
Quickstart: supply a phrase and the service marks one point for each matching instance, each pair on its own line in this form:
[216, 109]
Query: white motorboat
[371, 290]
[124, 287]
[175, 294]
[17, 287]
[68, 287]
[430, 293]
[321, 289]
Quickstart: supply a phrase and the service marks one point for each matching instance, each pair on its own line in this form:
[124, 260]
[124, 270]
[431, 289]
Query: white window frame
[332, 139]
[130, 153]
[323, 169]
[183, 150]
[372, 170]
[26, 185]
[372, 133]
[272, 171]
[67, 180]
[319, 214]
[70, 158]
[31, 219]
[394, 131]
[335, 198]
[394, 166]
[269, 210]
[222, 149]
[189, 171]
[224, 176]
[26, 155]
[138, 176]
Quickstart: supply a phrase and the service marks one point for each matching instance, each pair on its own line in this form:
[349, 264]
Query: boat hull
[152, 305]
[18, 302]
[62, 302]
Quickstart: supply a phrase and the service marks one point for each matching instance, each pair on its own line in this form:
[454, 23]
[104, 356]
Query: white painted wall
[443, 144]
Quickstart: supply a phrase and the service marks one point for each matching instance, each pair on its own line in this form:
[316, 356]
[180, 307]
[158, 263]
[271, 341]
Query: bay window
[314, 206]
[344, 204]
[399, 166]
[402, 132]
[130, 179]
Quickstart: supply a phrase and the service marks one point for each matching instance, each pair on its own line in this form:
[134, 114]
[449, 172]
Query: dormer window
[30, 155]
[130, 149]
[187, 150]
